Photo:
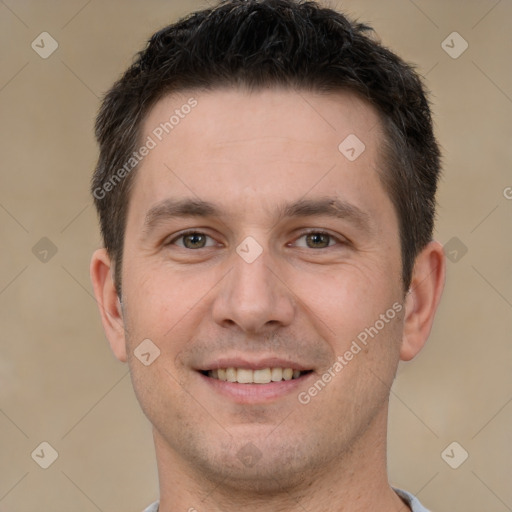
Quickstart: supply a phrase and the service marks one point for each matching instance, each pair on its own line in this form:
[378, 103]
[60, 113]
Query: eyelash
[339, 241]
[303, 234]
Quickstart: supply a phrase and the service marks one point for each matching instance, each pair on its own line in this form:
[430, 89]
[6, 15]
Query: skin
[303, 299]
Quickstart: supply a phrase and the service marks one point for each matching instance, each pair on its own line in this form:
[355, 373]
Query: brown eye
[318, 240]
[192, 240]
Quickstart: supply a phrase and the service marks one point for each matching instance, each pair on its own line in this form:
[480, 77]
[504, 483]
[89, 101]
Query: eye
[192, 240]
[318, 240]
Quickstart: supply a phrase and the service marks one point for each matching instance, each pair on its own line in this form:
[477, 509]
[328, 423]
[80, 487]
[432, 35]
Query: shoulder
[411, 500]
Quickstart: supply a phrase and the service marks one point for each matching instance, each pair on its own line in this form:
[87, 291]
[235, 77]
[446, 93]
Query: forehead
[233, 115]
[259, 146]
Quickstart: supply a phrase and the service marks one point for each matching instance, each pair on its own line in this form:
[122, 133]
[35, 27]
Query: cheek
[160, 393]
[156, 301]
[345, 301]
[159, 310]
[168, 308]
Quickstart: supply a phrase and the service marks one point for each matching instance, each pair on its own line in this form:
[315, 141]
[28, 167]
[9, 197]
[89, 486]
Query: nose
[254, 296]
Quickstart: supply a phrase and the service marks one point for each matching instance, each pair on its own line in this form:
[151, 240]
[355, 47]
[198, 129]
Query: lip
[253, 364]
[257, 393]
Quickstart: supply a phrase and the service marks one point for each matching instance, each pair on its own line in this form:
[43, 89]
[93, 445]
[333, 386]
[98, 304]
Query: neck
[354, 481]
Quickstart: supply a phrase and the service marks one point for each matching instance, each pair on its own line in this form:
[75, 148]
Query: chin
[265, 479]
[251, 465]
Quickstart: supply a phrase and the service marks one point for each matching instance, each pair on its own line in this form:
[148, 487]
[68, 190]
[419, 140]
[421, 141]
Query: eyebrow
[321, 207]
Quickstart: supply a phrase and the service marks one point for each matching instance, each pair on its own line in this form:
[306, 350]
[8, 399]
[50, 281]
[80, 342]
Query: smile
[260, 376]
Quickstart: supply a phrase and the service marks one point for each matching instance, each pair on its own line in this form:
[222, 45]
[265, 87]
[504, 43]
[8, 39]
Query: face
[260, 258]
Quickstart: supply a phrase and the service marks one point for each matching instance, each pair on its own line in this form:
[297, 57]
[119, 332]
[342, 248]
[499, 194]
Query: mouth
[255, 376]
[258, 380]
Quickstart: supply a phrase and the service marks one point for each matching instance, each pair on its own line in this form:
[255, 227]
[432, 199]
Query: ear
[108, 302]
[423, 298]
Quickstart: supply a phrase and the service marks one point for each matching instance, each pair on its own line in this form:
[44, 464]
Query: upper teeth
[263, 376]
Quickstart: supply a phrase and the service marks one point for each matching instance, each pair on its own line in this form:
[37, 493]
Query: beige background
[60, 383]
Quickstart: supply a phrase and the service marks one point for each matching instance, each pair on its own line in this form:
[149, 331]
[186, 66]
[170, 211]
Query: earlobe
[423, 298]
[108, 302]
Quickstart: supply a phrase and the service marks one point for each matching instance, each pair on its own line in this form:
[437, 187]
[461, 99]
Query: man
[266, 191]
